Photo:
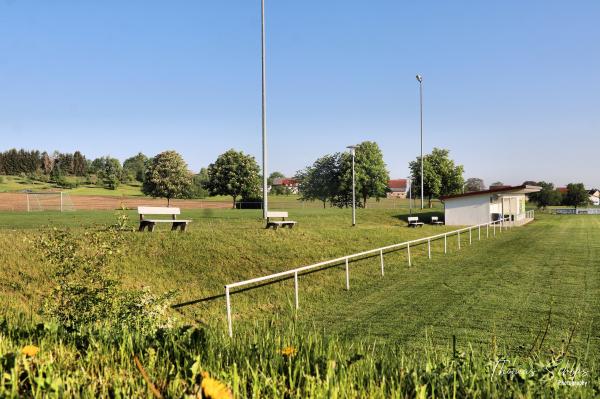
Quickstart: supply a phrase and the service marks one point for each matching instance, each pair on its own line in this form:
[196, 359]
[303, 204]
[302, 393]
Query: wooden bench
[144, 211]
[435, 220]
[413, 221]
[278, 223]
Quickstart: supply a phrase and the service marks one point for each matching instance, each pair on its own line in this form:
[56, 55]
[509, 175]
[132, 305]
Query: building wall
[467, 210]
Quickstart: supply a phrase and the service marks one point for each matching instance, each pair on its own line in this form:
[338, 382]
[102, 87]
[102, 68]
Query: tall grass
[268, 362]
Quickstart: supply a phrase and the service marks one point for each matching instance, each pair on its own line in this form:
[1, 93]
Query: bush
[87, 291]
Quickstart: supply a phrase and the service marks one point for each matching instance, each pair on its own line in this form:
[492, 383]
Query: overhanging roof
[522, 189]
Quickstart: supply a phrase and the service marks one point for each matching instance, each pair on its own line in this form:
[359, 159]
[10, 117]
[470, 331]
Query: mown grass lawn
[533, 289]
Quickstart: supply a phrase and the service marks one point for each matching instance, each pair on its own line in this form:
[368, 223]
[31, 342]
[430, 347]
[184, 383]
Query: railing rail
[501, 224]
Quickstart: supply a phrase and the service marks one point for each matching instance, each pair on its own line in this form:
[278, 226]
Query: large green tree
[576, 195]
[474, 184]
[235, 174]
[108, 171]
[547, 196]
[371, 174]
[136, 166]
[321, 180]
[440, 175]
[167, 176]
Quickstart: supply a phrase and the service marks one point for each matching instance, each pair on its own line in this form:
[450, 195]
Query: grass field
[527, 295]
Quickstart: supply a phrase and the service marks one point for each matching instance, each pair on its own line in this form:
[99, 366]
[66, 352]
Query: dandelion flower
[289, 351]
[30, 350]
[214, 389]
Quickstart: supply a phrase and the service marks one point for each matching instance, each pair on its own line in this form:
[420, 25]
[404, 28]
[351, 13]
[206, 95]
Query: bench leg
[151, 227]
[143, 226]
[184, 226]
[175, 226]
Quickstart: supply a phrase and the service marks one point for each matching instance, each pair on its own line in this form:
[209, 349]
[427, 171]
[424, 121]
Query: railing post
[458, 235]
[429, 248]
[408, 251]
[470, 234]
[347, 276]
[479, 233]
[296, 288]
[228, 300]
[445, 243]
[381, 258]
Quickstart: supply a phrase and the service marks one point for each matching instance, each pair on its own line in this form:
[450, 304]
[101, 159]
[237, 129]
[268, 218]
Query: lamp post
[353, 152]
[264, 110]
[410, 194]
[420, 80]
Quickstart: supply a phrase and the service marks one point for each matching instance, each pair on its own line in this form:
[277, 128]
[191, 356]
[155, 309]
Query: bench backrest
[158, 210]
[434, 218]
[413, 219]
[277, 214]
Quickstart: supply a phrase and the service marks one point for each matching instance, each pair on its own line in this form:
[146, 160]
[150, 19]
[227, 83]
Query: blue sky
[512, 88]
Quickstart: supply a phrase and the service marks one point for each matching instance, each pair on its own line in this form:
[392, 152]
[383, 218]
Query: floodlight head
[419, 78]
[352, 149]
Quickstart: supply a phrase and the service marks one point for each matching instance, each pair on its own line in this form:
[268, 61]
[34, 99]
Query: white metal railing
[501, 224]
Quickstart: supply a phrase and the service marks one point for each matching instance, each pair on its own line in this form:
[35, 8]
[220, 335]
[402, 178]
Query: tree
[321, 180]
[109, 171]
[576, 195]
[547, 196]
[496, 184]
[136, 166]
[79, 164]
[235, 174]
[198, 187]
[279, 189]
[474, 184]
[371, 175]
[440, 175]
[167, 176]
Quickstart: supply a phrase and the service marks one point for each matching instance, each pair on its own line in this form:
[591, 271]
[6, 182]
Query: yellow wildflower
[30, 350]
[289, 351]
[214, 389]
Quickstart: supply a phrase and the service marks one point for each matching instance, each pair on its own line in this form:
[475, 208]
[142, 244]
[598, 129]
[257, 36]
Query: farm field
[527, 294]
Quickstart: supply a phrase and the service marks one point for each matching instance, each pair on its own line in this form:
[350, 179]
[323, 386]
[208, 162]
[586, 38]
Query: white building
[485, 206]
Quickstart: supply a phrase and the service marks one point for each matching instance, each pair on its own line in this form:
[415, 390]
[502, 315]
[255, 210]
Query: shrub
[87, 291]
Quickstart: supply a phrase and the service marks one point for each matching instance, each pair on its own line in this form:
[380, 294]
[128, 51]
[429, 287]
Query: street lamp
[353, 152]
[264, 110]
[420, 80]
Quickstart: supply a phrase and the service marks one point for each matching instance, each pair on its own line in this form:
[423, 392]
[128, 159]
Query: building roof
[398, 184]
[285, 181]
[562, 190]
[522, 189]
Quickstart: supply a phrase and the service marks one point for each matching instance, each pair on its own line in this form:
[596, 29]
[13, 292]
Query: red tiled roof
[397, 184]
[562, 190]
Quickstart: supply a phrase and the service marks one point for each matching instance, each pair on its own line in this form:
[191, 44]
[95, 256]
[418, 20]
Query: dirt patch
[18, 202]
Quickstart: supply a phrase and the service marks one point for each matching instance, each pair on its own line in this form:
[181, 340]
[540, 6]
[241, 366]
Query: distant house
[594, 196]
[480, 207]
[398, 188]
[562, 190]
[289, 183]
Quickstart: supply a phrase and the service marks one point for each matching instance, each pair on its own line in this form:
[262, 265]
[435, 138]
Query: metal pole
[264, 109]
[347, 276]
[479, 233]
[61, 201]
[487, 231]
[421, 112]
[408, 250]
[353, 192]
[296, 288]
[470, 234]
[28, 208]
[228, 300]
[458, 240]
[445, 244]
[381, 256]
